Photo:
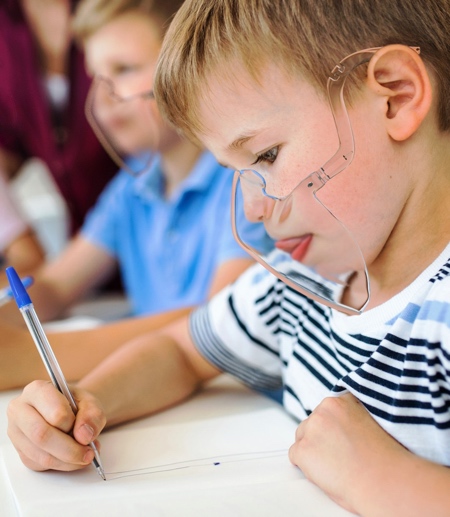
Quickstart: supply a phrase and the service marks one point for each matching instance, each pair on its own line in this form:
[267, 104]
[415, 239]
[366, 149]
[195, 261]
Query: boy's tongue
[295, 246]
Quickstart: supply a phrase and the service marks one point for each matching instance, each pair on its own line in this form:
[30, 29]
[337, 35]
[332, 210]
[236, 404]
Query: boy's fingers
[39, 460]
[56, 410]
[42, 446]
[40, 421]
[50, 403]
[90, 418]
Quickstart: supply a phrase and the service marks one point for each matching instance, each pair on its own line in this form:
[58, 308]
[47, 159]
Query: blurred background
[42, 205]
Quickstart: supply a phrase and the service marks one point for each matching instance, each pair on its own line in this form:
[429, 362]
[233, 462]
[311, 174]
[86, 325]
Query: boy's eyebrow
[241, 140]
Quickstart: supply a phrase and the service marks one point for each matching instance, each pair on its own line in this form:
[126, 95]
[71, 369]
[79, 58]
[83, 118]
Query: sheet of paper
[228, 466]
[73, 323]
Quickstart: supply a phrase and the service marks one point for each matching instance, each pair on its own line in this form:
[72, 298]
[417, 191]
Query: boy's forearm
[46, 301]
[146, 375]
[78, 352]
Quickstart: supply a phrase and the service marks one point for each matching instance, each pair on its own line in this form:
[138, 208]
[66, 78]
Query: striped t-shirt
[394, 358]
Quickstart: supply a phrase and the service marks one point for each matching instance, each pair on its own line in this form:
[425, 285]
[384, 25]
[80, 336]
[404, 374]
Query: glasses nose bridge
[103, 92]
[258, 204]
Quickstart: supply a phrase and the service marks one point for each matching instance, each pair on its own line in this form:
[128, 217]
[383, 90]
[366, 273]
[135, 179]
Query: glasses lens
[315, 253]
[124, 121]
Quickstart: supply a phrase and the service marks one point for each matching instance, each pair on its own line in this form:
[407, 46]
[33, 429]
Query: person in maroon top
[43, 88]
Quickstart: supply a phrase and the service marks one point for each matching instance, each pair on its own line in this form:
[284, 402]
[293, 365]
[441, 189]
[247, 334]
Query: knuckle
[11, 432]
[316, 421]
[327, 402]
[32, 465]
[329, 405]
[291, 454]
[35, 386]
[61, 417]
[11, 409]
[98, 418]
[40, 434]
[42, 460]
[337, 405]
[47, 461]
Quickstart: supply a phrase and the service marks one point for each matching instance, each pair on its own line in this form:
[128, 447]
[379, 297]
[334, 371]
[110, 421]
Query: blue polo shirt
[169, 249]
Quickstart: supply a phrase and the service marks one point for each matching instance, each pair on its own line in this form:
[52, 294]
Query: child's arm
[24, 253]
[60, 283]
[78, 352]
[343, 450]
[150, 373]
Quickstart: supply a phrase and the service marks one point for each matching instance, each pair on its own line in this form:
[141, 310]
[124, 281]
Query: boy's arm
[343, 450]
[148, 374]
[78, 352]
[58, 284]
[24, 253]
[80, 267]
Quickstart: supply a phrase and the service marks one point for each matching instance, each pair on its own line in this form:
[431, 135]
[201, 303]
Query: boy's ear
[398, 74]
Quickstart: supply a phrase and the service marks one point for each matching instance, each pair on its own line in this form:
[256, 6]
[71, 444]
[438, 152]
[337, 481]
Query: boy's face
[125, 52]
[283, 129]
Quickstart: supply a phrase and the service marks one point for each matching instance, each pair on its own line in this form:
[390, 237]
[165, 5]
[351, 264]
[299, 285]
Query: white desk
[223, 398]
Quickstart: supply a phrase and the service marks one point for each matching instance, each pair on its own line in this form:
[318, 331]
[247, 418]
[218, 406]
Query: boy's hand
[39, 423]
[343, 450]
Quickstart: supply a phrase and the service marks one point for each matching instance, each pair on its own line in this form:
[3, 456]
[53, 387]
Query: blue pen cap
[26, 282]
[18, 290]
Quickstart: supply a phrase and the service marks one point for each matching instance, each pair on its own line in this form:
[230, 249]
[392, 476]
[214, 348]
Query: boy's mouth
[295, 246]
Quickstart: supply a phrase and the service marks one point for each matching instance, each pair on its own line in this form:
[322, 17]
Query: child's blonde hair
[306, 37]
[92, 15]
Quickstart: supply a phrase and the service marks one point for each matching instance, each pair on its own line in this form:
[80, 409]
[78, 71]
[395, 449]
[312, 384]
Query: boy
[169, 230]
[371, 389]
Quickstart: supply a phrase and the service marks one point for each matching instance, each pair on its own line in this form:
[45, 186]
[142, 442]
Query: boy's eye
[267, 157]
[125, 69]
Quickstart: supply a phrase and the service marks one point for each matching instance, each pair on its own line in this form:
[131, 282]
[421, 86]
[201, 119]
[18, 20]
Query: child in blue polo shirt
[169, 229]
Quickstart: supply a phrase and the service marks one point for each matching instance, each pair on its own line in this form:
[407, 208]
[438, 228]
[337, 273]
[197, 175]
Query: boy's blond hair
[92, 15]
[306, 37]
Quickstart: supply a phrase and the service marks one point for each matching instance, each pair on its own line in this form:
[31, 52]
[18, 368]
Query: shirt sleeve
[236, 330]
[102, 222]
[12, 223]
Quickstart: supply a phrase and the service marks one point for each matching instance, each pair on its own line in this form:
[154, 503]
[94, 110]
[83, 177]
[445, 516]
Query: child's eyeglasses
[298, 261]
[108, 108]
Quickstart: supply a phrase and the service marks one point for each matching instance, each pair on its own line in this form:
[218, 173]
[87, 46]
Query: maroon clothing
[78, 163]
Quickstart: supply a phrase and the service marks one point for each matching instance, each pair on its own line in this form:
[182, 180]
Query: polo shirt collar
[149, 185]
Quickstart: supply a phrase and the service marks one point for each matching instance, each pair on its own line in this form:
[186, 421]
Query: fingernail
[87, 432]
[89, 456]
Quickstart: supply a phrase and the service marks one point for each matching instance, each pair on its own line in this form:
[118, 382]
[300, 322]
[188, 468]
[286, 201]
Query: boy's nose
[258, 208]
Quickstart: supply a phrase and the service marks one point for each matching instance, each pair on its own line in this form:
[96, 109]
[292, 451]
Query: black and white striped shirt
[394, 358]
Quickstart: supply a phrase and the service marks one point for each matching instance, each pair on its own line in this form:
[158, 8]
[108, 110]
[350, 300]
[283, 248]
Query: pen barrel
[26, 307]
[46, 353]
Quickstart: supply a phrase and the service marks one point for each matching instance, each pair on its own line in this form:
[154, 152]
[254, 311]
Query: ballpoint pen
[6, 294]
[26, 307]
